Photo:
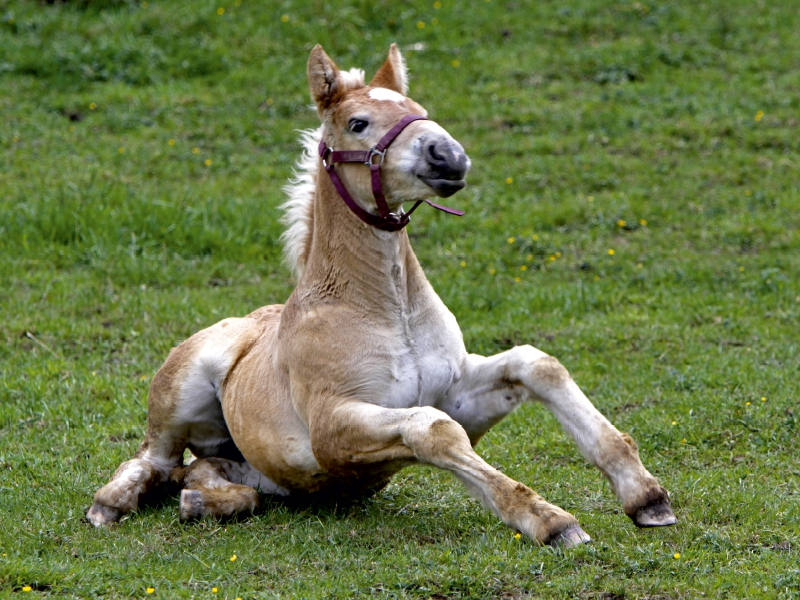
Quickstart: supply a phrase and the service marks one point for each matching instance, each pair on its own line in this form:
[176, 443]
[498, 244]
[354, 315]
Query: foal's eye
[357, 125]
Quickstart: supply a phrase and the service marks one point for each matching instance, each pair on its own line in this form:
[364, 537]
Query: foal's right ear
[324, 79]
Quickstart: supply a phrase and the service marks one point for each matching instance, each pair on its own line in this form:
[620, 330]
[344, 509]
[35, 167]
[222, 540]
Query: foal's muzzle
[445, 165]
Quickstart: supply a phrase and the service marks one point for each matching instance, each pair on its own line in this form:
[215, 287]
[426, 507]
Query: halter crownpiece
[385, 219]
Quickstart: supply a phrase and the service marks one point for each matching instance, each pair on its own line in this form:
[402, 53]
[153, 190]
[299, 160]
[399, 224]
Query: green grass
[679, 118]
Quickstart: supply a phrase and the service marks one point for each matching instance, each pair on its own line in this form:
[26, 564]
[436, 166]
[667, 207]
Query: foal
[363, 371]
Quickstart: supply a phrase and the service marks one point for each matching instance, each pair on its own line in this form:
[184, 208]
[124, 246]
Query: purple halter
[385, 220]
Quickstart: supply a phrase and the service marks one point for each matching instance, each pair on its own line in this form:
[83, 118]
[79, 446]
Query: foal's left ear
[392, 75]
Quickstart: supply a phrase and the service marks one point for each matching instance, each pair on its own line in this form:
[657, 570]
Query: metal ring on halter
[375, 152]
[325, 155]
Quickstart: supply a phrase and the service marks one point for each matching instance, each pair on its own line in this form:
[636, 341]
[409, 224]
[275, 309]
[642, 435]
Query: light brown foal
[363, 371]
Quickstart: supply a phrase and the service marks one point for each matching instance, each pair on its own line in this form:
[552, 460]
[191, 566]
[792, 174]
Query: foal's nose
[446, 158]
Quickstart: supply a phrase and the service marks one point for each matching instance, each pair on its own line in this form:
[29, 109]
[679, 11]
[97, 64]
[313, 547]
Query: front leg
[492, 387]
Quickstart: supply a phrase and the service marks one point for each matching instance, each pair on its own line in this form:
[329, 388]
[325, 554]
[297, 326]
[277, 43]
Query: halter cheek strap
[385, 219]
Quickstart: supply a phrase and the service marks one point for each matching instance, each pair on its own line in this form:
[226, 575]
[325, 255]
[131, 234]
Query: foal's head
[422, 161]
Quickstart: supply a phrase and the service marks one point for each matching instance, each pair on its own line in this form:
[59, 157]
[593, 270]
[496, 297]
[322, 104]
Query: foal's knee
[430, 432]
[550, 372]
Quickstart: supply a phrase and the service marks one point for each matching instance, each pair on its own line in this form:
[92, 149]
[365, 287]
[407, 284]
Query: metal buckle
[372, 153]
[328, 152]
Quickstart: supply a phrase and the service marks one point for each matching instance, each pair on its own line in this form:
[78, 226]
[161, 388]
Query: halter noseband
[385, 219]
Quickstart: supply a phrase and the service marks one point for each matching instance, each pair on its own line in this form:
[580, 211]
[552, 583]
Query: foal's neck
[355, 263]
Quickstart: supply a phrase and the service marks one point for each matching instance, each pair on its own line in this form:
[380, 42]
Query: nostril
[435, 157]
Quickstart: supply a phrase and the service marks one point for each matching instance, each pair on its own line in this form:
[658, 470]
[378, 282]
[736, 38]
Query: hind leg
[220, 487]
[132, 481]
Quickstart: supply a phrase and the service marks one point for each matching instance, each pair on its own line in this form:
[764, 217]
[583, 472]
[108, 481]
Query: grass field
[633, 209]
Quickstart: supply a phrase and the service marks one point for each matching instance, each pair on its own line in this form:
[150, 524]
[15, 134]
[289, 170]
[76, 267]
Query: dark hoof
[569, 538]
[192, 505]
[100, 515]
[655, 515]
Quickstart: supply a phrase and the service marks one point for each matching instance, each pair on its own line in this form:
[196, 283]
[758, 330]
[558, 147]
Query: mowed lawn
[633, 209]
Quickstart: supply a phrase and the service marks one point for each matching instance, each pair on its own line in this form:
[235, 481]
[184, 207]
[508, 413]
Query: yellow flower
[121, 150]
[233, 558]
[523, 268]
[621, 223]
[214, 590]
[590, 198]
[763, 399]
[748, 193]
[511, 240]
[220, 11]
[420, 24]
[759, 116]
[195, 150]
[26, 588]
[456, 62]
[676, 556]
[517, 536]
[558, 255]
[517, 279]
[437, 5]
[747, 404]
[683, 441]
[15, 139]
[552, 257]
[741, 268]
[284, 18]
[150, 590]
[643, 222]
[463, 264]
[72, 127]
[639, 265]
[529, 257]
[674, 422]
[207, 162]
[171, 142]
[509, 180]
[270, 102]
[92, 106]
[611, 252]
[535, 237]
[492, 271]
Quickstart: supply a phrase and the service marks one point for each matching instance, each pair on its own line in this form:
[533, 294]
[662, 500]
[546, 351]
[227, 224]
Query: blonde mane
[299, 207]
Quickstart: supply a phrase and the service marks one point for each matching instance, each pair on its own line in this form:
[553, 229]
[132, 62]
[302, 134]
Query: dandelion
[523, 268]
[748, 193]
[759, 116]
[72, 127]
[557, 255]
[220, 11]
[92, 106]
[463, 263]
[683, 441]
[674, 422]
[741, 269]
[676, 556]
[121, 150]
[26, 588]
[150, 590]
[590, 198]
[639, 265]
[214, 590]
[511, 240]
[517, 279]
[529, 257]
[517, 536]
[621, 223]
[15, 139]
[763, 399]
[611, 252]
[195, 150]
[643, 222]
[509, 180]
[597, 277]
[143, 378]
[551, 258]
[437, 5]
[420, 24]
[455, 63]
[284, 18]
[232, 558]
[747, 404]
[171, 142]
[270, 102]
[207, 162]
[535, 237]
[492, 271]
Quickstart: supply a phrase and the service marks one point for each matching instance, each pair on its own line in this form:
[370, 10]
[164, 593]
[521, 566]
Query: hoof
[192, 505]
[569, 538]
[100, 515]
[655, 515]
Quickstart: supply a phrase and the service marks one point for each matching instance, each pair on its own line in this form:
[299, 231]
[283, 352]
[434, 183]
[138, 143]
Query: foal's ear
[324, 79]
[392, 75]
